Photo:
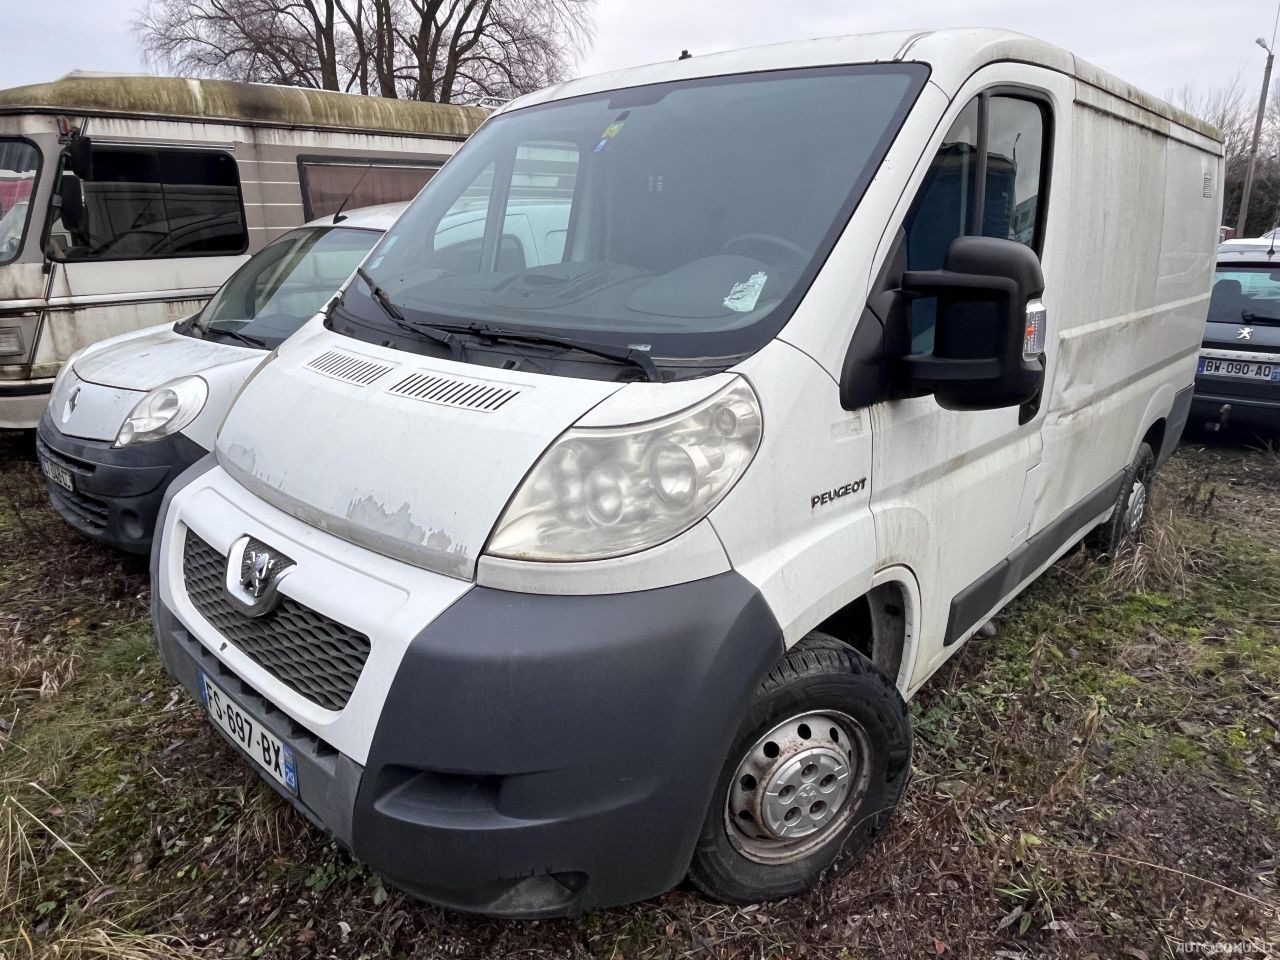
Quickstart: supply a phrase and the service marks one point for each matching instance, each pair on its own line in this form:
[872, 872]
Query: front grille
[91, 513]
[308, 652]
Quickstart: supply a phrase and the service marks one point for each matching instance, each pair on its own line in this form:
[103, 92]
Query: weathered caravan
[125, 201]
[547, 570]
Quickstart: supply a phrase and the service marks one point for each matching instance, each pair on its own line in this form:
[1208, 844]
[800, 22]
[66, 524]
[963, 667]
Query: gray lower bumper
[327, 780]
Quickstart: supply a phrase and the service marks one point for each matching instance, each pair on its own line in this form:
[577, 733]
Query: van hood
[411, 456]
[145, 360]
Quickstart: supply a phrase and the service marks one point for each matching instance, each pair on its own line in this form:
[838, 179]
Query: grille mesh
[308, 652]
[451, 392]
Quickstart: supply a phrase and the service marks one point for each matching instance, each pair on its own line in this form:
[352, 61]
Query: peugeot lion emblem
[1244, 333]
[254, 572]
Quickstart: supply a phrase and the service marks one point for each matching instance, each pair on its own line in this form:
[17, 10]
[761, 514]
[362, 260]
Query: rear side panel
[1137, 256]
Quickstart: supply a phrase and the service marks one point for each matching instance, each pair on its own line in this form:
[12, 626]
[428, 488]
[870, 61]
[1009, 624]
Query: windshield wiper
[438, 334]
[639, 359]
[1258, 317]
[244, 338]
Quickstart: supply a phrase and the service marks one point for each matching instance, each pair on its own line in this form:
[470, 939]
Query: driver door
[952, 486]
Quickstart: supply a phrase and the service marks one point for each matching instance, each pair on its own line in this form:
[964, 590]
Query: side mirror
[79, 154]
[985, 352]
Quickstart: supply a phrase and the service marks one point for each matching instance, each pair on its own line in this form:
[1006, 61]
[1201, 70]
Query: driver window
[997, 142]
[941, 213]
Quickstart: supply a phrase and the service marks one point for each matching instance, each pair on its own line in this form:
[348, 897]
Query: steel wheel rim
[797, 786]
[1137, 506]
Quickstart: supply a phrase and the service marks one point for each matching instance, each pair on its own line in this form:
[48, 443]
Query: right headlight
[605, 492]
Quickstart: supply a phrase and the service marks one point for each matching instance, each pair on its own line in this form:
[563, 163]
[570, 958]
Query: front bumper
[22, 403]
[118, 491]
[533, 755]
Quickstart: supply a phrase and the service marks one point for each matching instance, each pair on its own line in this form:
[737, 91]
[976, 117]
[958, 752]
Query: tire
[1123, 528]
[823, 681]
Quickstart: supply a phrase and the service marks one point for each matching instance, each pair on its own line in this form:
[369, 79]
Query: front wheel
[815, 770]
[1132, 507]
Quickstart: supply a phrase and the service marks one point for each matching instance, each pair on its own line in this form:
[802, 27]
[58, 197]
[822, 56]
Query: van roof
[953, 56]
[250, 104]
[378, 217]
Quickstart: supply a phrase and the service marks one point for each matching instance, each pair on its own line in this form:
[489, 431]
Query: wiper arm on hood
[639, 359]
[246, 339]
[1258, 317]
[438, 334]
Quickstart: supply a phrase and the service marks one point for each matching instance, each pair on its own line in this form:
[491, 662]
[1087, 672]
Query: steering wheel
[768, 239]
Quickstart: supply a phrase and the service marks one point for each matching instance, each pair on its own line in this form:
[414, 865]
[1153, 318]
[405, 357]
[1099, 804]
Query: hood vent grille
[349, 367]
[452, 392]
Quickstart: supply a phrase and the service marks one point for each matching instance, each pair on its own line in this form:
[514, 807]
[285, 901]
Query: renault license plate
[57, 473]
[267, 750]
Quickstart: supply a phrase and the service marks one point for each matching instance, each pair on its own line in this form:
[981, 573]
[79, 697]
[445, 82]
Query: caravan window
[326, 184]
[19, 165]
[142, 203]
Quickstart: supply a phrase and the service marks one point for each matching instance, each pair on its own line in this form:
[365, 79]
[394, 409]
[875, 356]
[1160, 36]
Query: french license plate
[267, 750]
[1240, 369]
[57, 473]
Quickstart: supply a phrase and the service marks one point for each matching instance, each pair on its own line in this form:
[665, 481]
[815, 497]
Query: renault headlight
[605, 492]
[164, 411]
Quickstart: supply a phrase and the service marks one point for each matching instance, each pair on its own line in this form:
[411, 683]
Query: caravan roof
[250, 104]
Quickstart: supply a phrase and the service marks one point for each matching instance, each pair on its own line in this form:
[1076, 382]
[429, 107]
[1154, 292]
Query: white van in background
[129, 414]
[543, 578]
[125, 201]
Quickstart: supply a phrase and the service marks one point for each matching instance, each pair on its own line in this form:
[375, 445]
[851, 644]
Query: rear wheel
[1132, 507]
[815, 770]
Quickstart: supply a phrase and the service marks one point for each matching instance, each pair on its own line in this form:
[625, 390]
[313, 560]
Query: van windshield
[682, 219]
[284, 284]
[19, 164]
[1246, 295]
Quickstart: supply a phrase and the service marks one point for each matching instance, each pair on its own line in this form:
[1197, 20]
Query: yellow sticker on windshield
[611, 131]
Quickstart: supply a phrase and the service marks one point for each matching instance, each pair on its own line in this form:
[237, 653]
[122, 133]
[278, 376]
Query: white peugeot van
[129, 414]
[543, 575]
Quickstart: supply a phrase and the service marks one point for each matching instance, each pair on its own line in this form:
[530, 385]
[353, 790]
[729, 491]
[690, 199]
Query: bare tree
[444, 50]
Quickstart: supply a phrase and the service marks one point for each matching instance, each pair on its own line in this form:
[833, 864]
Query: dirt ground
[1101, 779]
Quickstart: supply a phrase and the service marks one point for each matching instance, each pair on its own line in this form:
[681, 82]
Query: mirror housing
[79, 156]
[978, 360]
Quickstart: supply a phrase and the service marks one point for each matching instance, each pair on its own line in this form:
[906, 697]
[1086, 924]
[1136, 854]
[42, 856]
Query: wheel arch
[883, 624]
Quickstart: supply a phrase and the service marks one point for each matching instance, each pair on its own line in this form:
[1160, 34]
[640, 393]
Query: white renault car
[545, 572]
[129, 414]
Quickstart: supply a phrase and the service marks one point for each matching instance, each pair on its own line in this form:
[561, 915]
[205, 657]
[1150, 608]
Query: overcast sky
[1158, 45]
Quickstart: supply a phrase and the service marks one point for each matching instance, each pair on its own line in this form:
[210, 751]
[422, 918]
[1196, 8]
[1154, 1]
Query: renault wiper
[396, 316]
[639, 359]
[246, 339]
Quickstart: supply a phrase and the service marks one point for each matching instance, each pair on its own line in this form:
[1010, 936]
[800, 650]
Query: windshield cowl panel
[491, 352]
[682, 220]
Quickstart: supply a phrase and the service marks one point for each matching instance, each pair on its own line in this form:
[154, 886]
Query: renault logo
[70, 406]
[254, 572]
[1244, 333]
